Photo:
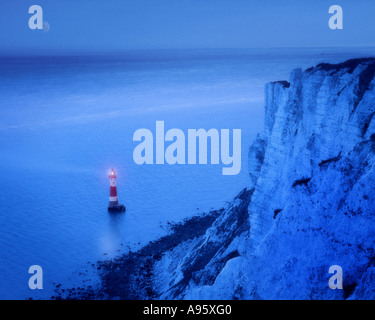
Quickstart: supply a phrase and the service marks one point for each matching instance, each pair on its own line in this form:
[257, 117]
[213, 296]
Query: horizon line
[53, 52]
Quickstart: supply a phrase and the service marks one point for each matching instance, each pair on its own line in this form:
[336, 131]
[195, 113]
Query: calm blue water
[65, 121]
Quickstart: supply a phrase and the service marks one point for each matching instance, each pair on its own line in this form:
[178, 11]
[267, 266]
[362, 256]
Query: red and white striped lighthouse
[113, 199]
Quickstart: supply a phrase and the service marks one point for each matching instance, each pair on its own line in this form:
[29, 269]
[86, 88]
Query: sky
[115, 25]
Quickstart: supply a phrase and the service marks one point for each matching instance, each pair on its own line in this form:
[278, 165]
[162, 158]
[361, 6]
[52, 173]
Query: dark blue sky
[113, 25]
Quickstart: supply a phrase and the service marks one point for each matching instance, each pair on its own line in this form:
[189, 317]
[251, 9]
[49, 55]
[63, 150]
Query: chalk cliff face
[310, 201]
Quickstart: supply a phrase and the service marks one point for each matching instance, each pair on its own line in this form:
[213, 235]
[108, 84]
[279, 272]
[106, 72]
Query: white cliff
[310, 201]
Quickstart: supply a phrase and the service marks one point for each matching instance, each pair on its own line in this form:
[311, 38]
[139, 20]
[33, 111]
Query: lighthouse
[113, 205]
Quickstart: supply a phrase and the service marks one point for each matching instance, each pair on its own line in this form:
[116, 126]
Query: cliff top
[350, 65]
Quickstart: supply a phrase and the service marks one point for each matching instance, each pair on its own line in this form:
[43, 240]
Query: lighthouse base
[118, 208]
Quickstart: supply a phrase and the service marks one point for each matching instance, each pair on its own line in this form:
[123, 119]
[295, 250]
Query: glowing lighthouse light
[113, 205]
